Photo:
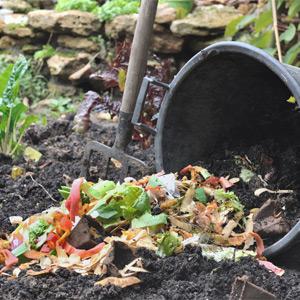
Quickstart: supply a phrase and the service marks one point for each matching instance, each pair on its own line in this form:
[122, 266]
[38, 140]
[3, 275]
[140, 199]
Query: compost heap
[98, 227]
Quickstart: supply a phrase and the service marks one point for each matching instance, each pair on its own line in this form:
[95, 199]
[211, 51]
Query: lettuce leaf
[148, 220]
[99, 190]
[167, 243]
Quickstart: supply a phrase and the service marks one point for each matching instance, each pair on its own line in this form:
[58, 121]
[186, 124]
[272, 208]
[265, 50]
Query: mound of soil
[185, 276]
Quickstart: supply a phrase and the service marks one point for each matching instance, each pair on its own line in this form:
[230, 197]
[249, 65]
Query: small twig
[275, 27]
[44, 189]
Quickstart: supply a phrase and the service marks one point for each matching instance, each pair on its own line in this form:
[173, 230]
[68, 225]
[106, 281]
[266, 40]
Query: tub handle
[136, 118]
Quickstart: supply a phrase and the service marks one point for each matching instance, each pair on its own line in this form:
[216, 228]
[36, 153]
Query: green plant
[61, 105]
[82, 5]
[113, 8]
[34, 85]
[183, 7]
[13, 118]
[46, 52]
[258, 29]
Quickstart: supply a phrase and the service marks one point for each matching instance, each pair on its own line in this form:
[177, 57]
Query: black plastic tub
[228, 89]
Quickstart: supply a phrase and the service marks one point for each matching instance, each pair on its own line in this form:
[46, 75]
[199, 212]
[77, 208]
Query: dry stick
[44, 189]
[275, 26]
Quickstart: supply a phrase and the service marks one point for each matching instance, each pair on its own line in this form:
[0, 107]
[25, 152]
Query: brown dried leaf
[187, 204]
[37, 273]
[121, 282]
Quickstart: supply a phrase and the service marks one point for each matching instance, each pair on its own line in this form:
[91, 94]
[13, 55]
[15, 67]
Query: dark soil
[185, 276]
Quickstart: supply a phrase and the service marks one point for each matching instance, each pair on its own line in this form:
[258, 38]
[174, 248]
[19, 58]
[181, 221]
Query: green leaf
[246, 175]
[100, 189]
[121, 203]
[279, 3]
[114, 8]
[142, 204]
[37, 229]
[291, 100]
[12, 87]
[263, 21]
[200, 195]
[270, 51]
[4, 79]
[228, 200]
[27, 122]
[289, 34]
[204, 173]
[30, 154]
[264, 40]
[147, 220]
[167, 243]
[64, 191]
[106, 212]
[292, 54]
[20, 250]
[46, 52]
[294, 8]
[121, 79]
[238, 24]
[82, 5]
[154, 181]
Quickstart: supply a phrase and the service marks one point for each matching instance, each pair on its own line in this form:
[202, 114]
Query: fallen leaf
[37, 273]
[225, 183]
[33, 254]
[271, 267]
[260, 248]
[180, 224]
[234, 180]
[187, 204]
[121, 282]
[30, 154]
[246, 175]
[15, 220]
[168, 203]
[17, 172]
[226, 232]
[16, 272]
[260, 191]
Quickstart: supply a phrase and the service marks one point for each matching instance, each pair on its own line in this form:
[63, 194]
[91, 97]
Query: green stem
[6, 141]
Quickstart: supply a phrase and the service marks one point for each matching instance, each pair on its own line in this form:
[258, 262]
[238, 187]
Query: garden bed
[185, 276]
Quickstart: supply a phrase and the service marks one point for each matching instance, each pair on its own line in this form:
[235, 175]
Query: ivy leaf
[289, 34]
[292, 54]
[147, 220]
[264, 20]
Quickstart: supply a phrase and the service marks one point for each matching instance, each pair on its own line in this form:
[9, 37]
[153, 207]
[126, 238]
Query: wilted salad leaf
[167, 243]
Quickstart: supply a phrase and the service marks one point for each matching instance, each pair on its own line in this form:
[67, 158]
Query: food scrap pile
[99, 226]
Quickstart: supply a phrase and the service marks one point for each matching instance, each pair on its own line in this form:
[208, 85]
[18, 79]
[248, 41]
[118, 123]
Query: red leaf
[83, 253]
[186, 170]
[9, 259]
[213, 181]
[226, 184]
[73, 202]
[82, 119]
[268, 265]
[260, 248]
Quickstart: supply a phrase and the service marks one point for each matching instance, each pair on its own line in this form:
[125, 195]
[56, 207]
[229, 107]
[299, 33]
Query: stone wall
[78, 36]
